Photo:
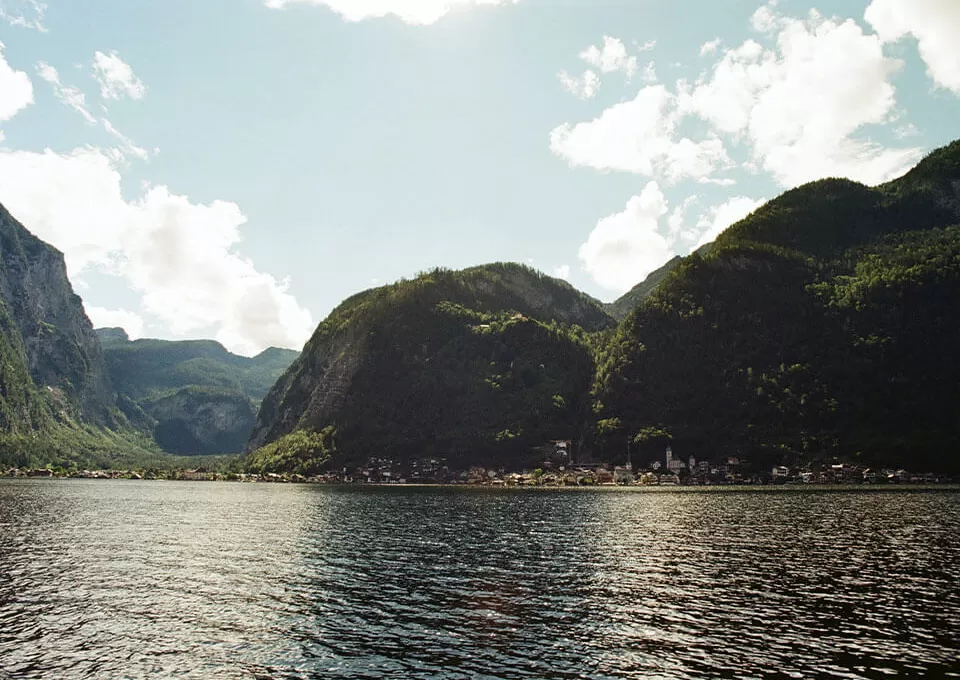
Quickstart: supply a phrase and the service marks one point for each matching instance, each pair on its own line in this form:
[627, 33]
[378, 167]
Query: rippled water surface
[113, 579]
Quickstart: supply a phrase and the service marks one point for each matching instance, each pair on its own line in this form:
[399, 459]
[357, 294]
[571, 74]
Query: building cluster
[558, 468]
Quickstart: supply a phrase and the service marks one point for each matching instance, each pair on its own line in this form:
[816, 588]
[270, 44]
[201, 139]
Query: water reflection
[112, 579]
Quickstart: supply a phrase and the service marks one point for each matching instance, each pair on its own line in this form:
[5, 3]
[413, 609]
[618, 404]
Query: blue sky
[234, 168]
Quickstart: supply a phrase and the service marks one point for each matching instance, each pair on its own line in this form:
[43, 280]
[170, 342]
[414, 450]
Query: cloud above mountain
[182, 258]
[802, 99]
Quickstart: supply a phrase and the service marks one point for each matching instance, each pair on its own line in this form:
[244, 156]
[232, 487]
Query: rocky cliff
[195, 420]
[61, 350]
[57, 405]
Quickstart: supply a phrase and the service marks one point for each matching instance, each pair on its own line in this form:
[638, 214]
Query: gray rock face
[194, 421]
[62, 351]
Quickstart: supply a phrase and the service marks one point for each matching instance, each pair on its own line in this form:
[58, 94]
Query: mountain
[626, 303]
[56, 399]
[479, 365]
[819, 328]
[193, 396]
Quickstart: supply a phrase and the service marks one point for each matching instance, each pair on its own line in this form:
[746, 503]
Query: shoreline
[950, 486]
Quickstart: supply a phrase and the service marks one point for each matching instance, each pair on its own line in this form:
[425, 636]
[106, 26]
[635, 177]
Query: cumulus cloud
[626, 246]
[934, 23]
[801, 106]
[639, 136]
[562, 272]
[800, 103]
[582, 87]
[116, 78]
[710, 47]
[719, 217]
[418, 12]
[129, 321]
[16, 90]
[180, 256]
[610, 57]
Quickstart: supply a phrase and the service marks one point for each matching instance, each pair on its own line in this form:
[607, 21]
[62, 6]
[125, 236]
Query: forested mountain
[822, 326]
[819, 328]
[194, 396]
[626, 303]
[56, 400]
[481, 364]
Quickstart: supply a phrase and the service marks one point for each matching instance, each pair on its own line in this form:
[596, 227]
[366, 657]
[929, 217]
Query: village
[556, 470]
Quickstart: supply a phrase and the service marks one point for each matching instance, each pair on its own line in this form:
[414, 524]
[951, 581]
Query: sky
[233, 169]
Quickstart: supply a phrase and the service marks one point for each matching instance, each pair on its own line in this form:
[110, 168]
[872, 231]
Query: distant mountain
[56, 400]
[194, 396]
[822, 327]
[479, 365]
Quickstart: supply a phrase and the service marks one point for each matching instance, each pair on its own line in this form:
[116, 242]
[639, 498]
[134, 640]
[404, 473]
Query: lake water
[115, 579]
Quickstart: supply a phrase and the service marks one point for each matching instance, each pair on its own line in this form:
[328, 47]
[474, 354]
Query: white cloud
[710, 47]
[117, 80]
[610, 57]
[24, 13]
[650, 73]
[800, 104]
[934, 23]
[562, 272]
[419, 12]
[625, 247]
[129, 321]
[180, 256]
[127, 147]
[638, 136]
[16, 90]
[719, 217]
[765, 18]
[583, 87]
[76, 100]
[70, 96]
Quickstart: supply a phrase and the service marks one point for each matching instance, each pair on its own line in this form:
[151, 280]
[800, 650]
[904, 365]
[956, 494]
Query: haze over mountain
[194, 396]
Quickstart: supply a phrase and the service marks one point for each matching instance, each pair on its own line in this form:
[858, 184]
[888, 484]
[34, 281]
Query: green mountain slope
[819, 327]
[626, 303]
[479, 365]
[193, 396]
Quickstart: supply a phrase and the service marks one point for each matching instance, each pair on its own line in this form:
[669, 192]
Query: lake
[130, 579]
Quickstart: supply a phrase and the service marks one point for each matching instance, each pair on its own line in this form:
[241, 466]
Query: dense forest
[487, 364]
[819, 328]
